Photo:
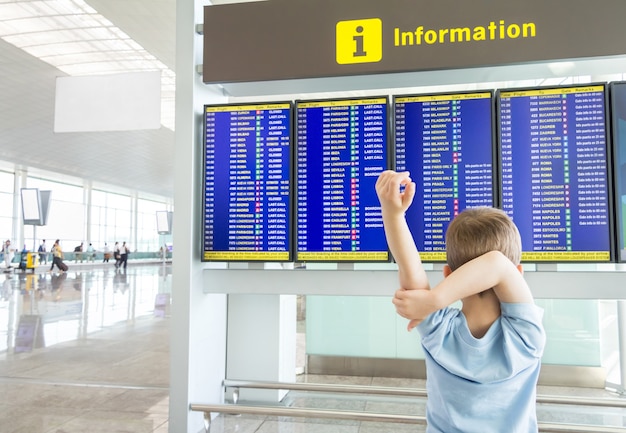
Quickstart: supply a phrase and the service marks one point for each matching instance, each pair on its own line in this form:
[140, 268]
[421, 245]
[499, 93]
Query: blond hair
[477, 231]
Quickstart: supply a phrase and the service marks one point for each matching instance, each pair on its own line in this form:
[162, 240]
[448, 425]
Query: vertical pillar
[83, 324]
[621, 329]
[198, 320]
[87, 190]
[134, 215]
[17, 230]
[261, 342]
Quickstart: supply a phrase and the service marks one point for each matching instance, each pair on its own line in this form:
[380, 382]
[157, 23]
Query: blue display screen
[247, 182]
[555, 166]
[446, 142]
[341, 150]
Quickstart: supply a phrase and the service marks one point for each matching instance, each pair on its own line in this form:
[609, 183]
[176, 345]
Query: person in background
[8, 254]
[43, 254]
[57, 256]
[107, 253]
[116, 254]
[124, 251]
[91, 253]
[78, 253]
[23, 258]
[482, 360]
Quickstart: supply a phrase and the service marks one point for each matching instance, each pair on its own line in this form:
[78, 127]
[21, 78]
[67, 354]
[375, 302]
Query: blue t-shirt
[483, 385]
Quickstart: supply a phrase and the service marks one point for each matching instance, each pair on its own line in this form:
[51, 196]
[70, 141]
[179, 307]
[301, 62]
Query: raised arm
[394, 205]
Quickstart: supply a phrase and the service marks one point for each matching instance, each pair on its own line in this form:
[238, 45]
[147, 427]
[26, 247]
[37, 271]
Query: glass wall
[110, 219]
[79, 214]
[66, 216]
[581, 333]
[147, 225]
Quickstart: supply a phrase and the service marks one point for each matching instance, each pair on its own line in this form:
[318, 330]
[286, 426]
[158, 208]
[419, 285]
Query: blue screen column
[341, 151]
[247, 183]
[555, 172]
[446, 143]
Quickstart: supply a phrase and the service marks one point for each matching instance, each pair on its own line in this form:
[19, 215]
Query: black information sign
[555, 167]
[341, 151]
[247, 182]
[446, 142]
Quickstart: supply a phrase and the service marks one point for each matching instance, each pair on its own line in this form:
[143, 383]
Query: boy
[482, 361]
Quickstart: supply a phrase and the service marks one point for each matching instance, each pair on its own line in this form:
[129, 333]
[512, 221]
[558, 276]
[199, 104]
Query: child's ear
[446, 271]
[520, 268]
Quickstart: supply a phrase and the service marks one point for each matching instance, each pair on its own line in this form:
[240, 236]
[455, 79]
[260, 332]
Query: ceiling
[135, 160]
[143, 160]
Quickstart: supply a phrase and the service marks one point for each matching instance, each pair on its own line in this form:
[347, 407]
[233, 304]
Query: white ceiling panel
[137, 160]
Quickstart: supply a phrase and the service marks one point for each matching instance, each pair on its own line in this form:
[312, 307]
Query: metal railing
[210, 409]
[406, 392]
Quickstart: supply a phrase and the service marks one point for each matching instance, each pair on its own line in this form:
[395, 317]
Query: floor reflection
[45, 309]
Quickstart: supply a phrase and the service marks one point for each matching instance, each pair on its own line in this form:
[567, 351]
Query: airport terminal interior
[89, 349]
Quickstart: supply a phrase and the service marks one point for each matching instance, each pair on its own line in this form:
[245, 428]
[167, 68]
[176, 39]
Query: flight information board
[618, 122]
[247, 182]
[446, 142]
[555, 171]
[341, 150]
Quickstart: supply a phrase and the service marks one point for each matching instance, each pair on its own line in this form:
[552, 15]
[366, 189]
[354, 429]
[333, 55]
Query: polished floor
[88, 351]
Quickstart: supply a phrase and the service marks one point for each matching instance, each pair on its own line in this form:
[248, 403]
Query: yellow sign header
[435, 98]
[342, 103]
[349, 256]
[227, 256]
[549, 92]
[566, 256]
[232, 108]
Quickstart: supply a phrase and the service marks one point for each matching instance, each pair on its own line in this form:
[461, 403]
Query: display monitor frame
[560, 255]
[164, 222]
[341, 256]
[31, 206]
[425, 237]
[618, 136]
[286, 193]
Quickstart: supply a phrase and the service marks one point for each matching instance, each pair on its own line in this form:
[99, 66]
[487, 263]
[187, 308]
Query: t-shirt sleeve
[522, 321]
[434, 329]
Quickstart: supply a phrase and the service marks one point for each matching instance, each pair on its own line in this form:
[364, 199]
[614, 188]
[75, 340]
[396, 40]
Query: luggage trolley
[29, 260]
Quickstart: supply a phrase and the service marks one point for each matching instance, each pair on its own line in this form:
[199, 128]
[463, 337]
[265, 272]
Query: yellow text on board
[490, 32]
[361, 41]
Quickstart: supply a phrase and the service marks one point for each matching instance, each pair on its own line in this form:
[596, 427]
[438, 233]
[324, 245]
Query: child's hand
[415, 305]
[388, 190]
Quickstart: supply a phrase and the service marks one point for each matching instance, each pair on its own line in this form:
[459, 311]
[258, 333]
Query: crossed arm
[492, 270]
[414, 300]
